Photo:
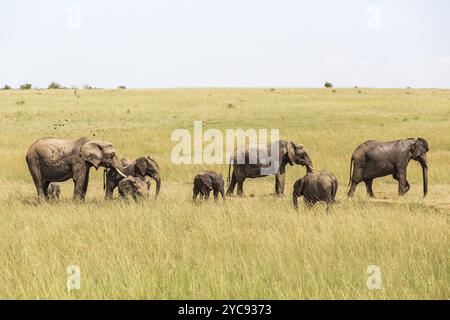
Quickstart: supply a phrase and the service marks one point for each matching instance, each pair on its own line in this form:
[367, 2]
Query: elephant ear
[141, 165]
[155, 164]
[415, 149]
[92, 153]
[291, 152]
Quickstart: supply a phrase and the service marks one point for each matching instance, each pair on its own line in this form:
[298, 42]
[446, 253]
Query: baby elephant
[207, 181]
[53, 191]
[316, 186]
[134, 188]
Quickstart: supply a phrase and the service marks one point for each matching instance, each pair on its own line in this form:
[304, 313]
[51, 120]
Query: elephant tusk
[120, 172]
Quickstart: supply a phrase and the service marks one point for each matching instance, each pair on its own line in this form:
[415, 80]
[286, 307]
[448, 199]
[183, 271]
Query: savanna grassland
[256, 247]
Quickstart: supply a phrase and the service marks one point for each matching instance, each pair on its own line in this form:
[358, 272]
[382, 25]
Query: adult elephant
[139, 168]
[374, 159]
[55, 160]
[289, 152]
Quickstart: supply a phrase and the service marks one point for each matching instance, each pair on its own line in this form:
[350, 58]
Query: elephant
[316, 186]
[140, 167]
[56, 160]
[53, 191]
[207, 181]
[289, 152]
[373, 159]
[134, 188]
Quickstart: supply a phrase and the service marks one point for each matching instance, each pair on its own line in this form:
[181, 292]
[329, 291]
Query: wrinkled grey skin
[140, 167]
[207, 181]
[289, 153]
[374, 159]
[316, 186]
[134, 188]
[53, 191]
[56, 160]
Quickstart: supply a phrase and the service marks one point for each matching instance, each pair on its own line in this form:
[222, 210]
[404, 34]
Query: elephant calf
[316, 186]
[140, 167]
[53, 191]
[134, 188]
[207, 181]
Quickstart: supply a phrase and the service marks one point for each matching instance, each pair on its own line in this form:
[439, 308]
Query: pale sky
[227, 43]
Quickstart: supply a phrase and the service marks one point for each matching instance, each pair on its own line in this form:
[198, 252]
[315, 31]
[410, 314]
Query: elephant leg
[207, 192]
[109, 188]
[294, 200]
[85, 184]
[240, 187]
[45, 187]
[351, 191]
[195, 194]
[233, 181]
[80, 185]
[279, 183]
[216, 195]
[355, 180]
[37, 179]
[369, 190]
[407, 186]
[403, 185]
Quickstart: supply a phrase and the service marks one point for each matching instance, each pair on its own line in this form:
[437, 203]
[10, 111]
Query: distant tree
[54, 85]
[328, 85]
[6, 87]
[86, 86]
[25, 86]
[121, 87]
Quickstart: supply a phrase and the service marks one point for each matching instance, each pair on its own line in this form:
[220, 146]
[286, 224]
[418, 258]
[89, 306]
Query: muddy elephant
[134, 188]
[316, 186]
[53, 191]
[248, 163]
[207, 181]
[140, 167]
[374, 159]
[55, 160]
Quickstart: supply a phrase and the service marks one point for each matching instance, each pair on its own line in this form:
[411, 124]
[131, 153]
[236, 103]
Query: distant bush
[6, 87]
[86, 86]
[54, 85]
[121, 87]
[328, 85]
[26, 86]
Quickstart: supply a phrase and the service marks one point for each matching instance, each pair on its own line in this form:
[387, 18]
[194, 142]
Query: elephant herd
[52, 160]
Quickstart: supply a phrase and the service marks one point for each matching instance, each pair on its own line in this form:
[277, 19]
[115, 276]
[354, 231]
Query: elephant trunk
[308, 164]
[157, 179]
[423, 163]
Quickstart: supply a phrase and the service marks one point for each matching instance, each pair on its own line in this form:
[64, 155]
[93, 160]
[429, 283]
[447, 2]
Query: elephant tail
[334, 191]
[351, 167]
[229, 170]
[104, 179]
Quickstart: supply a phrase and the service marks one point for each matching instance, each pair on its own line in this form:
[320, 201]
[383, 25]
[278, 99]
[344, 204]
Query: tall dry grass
[255, 247]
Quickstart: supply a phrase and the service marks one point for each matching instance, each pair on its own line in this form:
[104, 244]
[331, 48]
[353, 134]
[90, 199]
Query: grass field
[256, 247]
